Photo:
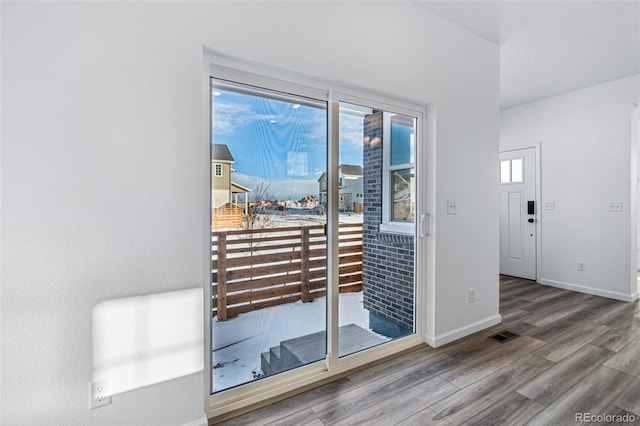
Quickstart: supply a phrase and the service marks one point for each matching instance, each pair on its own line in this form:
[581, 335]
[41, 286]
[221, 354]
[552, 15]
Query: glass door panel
[377, 202]
[268, 244]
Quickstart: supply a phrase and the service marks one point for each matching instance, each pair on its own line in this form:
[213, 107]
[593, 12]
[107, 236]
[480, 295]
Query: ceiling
[551, 47]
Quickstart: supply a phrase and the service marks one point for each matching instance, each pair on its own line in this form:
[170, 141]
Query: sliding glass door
[377, 197]
[268, 245]
[313, 213]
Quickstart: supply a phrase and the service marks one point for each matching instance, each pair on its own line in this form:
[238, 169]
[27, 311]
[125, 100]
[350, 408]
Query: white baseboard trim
[202, 422]
[443, 339]
[590, 290]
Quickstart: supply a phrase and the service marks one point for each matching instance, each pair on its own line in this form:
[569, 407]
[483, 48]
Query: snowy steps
[303, 350]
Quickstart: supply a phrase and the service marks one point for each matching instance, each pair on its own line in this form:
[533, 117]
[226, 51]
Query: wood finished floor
[575, 353]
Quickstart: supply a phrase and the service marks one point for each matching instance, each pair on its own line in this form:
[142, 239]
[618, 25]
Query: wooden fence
[254, 269]
[227, 216]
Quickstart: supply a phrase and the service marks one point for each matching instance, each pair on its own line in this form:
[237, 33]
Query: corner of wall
[450, 336]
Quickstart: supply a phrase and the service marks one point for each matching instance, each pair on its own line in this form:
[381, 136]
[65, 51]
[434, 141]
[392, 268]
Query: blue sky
[279, 143]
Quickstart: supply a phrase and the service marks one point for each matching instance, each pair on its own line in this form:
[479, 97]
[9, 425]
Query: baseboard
[202, 422]
[590, 290]
[443, 339]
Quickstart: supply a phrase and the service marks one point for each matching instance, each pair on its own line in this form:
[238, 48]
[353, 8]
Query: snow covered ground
[299, 217]
[238, 342]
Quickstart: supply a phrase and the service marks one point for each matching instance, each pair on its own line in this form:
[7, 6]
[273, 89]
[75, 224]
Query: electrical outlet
[99, 394]
[472, 295]
[582, 266]
[451, 207]
[615, 206]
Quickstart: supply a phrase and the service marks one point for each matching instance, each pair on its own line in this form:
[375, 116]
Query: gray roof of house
[221, 152]
[352, 170]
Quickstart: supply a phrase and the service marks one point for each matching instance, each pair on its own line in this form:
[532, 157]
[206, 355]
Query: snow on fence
[254, 269]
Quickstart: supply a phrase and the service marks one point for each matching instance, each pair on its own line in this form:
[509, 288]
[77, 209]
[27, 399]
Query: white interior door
[518, 213]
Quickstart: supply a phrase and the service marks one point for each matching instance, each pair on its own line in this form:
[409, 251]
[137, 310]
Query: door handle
[531, 220]
[421, 226]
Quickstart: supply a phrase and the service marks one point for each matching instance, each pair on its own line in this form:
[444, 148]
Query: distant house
[223, 189]
[350, 185]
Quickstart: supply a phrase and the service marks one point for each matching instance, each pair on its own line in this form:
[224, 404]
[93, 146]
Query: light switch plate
[451, 207]
[549, 205]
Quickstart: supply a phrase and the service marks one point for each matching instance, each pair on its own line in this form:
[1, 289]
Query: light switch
[451, 207]
[549, 205]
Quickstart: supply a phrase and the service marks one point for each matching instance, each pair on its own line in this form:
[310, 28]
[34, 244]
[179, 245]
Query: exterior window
[399, 173]
[218, 170]
[403, 182]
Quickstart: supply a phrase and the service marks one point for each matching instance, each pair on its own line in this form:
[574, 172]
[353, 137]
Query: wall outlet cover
[99, 394]
[615, 206]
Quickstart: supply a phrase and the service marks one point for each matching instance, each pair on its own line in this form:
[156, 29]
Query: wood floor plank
[517, 292]
[549, 332]
[346, 404]
[617, 313]
[487, 392]
[620, 335]
[515, 303]
[490, 360]
[550, 294]
[570, 341]
[555, 381]
[515, 315]
[627, 360]
[588, 314]
[422, 418]
[515, 409]
[554, 313]
[629, 399]
[280, 409]
[380, 371]
[401, 405]
[593, 394]
[304, 417]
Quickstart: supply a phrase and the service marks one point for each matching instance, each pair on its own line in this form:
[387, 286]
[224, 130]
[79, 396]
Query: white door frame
[537, 146]
[634, 142]
[227, 68]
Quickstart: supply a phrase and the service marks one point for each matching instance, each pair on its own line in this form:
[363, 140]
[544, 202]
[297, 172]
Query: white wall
[105, 170]
[585, 164]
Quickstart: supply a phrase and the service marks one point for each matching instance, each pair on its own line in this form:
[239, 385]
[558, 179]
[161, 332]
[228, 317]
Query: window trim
[388, 225]
[219, 66]
[215, 169]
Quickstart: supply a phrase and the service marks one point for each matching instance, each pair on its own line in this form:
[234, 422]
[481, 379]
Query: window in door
[511, 171]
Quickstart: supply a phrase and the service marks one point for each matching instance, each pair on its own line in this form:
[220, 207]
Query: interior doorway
[518, 213]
